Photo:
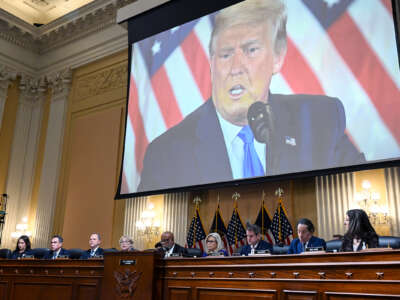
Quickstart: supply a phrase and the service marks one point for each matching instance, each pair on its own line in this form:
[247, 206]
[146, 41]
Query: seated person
[56, 249]
[126, 243]
[23, 248]
[169, 246]
[359, 232]
[305, 231]
[95, 250]
[254, 241]
[214, 245]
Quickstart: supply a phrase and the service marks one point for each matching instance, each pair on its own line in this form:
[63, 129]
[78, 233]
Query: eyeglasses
[210, 241]
[124, 242]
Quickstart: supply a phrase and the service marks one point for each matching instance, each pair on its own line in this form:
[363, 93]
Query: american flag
[196, 235]
[264, 222]
[218, 225]
[340, 48]
[281, 228]
[236, 231]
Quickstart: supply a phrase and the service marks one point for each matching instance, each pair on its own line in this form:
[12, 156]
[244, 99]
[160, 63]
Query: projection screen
[330, 76]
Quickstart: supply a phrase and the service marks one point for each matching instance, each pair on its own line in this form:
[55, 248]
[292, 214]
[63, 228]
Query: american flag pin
[290, 141]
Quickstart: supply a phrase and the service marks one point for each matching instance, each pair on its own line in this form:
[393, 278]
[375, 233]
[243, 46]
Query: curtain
[334, 194]
[176, 207]
[392, 179]
[133, 209]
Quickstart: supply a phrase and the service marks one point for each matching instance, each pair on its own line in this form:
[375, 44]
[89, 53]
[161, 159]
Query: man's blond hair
[270, 12]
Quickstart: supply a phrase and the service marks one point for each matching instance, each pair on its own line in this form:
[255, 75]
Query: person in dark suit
[359, 232]
[305, 231]
[95, 250]
[23, 248]
[56, 249]
[254, 241]
[215, 144]
[169, 246]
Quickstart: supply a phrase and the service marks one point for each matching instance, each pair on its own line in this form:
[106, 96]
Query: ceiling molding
[76, 25]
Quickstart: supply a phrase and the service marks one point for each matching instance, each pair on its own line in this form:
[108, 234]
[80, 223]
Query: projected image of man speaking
[215, 142]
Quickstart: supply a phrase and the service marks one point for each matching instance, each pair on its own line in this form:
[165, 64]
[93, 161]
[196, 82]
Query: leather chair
[5, 253]
[75, 253]
[192, 252]
[112, 250]
[333, 245]
[384, 242]
[280, 249]
[39, 253]
[389, 242]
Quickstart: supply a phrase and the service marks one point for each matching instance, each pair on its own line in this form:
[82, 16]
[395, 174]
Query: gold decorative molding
[101, 82]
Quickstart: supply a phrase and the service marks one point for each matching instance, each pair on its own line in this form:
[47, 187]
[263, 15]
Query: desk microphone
[261, 122]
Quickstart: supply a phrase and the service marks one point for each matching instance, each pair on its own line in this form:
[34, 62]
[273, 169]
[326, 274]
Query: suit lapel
[210, 150]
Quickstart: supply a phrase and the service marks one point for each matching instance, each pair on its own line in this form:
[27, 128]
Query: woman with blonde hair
[214, 245]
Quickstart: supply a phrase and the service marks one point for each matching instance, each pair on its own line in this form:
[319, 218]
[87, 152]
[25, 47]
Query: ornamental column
[60, 84]
[23, 156]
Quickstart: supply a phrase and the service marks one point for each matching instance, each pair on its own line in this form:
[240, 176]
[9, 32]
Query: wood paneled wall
[298, 199]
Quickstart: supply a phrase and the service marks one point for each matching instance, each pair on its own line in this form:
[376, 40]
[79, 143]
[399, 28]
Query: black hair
[359, 224]
[25, 238]
[308, 223]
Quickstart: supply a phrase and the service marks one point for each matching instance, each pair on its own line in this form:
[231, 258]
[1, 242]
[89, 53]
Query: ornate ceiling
[41, 11]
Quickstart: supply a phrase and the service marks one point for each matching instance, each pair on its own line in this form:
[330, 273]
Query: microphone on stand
[261, 122]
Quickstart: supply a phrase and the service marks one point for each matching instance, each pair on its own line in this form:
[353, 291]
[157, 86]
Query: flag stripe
[188, 98]
[137, 123]
[380, 37]
[367, 68]
[199, 64]
[340, 82]
[166, 98]
[388, 5]
[297, 67]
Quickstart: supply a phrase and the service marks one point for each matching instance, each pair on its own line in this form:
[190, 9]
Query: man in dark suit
[56, 250]
[254, 241]
[95, 250]
[305, 231]
[215, 144]
[169, 246]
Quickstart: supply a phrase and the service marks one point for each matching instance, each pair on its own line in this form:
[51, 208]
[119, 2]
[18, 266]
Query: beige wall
[91, 152]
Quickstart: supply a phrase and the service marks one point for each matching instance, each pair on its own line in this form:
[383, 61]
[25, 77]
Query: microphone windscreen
[260, 121]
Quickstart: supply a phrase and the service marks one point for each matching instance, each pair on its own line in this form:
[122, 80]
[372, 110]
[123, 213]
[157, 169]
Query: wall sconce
[368, 201]
[21, 229]
[147, 226]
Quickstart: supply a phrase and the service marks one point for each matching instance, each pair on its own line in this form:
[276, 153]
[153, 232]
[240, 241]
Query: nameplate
[127, 262]
[314, 249]
[174, 255]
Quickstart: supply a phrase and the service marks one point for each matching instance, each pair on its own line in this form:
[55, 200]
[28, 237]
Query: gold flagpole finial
[236, 196]
[197, 200]
[279, 192]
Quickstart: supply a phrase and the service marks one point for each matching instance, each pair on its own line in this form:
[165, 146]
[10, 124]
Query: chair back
[40, 252]
[280, 249]
[333, 245]
[5, 253]
[75, 253]
[192, 252]
[389, 242]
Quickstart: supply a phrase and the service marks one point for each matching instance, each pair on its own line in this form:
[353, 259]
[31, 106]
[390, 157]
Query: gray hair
[218, 240]
[270, 12]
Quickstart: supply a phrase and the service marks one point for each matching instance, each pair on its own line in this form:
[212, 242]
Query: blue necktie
[251, 162]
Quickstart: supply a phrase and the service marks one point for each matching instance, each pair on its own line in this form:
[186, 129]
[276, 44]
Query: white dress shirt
[234, 146]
